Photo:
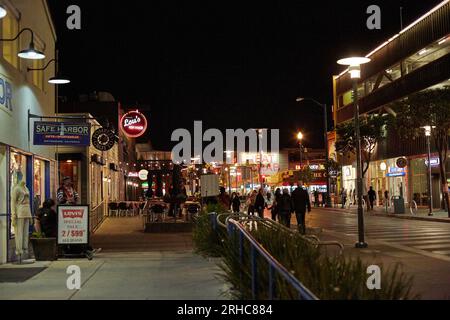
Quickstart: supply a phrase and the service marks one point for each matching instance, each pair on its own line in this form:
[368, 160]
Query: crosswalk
[433, 237]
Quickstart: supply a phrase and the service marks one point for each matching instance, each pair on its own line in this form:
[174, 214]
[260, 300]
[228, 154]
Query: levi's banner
[62, 133]
[73, 222]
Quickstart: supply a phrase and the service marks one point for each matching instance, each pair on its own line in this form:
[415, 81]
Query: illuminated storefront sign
[396, 172]
[133, 124]
[62, 133]
[434, 162]
[143, 174]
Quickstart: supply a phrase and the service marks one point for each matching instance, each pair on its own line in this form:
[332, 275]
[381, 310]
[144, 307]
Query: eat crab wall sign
[133, 124]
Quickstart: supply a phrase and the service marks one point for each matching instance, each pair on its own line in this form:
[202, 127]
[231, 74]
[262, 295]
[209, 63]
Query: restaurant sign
[62, 133]
[133, 124]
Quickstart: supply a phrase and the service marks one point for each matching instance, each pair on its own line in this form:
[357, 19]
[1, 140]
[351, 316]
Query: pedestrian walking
[343, 197]
[235, 202]
[286, 208]
[372, 196]
[275, 209]
[251, 202]
[260, 203]
[386, 198]
[316, 198]
[300, 200]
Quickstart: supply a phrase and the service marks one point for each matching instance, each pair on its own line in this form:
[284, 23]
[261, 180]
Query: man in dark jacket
[260, 203]
[300, 200]
[286, 208]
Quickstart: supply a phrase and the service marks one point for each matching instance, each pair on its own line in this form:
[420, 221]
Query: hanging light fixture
[58, 79]
[31, 52]
[3, 12]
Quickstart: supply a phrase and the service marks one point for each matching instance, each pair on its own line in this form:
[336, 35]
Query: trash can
[399, 205]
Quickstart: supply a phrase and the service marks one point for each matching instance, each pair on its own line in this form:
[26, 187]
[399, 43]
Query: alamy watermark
[73, 281]
[236, 140]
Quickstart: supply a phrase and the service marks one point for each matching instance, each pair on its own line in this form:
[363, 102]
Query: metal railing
[274, 266]
[235, 222]
[96, 216]
[243, 217]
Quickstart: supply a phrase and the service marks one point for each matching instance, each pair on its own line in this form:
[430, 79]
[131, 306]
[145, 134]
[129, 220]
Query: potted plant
[45, 249]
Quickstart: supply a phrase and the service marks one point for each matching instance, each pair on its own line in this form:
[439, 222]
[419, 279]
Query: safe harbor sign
[62, 133]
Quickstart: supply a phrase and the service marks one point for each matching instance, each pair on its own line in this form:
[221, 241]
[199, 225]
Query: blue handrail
[274, 265]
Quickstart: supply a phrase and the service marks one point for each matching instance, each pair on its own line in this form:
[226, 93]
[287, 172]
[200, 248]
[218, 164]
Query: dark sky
[232, 64]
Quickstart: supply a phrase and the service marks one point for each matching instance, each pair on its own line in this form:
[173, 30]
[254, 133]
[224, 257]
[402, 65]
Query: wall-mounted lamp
[30, 53]
[3, 12]
[58, 79]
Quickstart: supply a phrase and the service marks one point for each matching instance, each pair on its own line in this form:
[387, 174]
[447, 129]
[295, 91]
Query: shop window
[347, 98]
[39, 182]
[10, 29]
[428, 54]
[18, 173]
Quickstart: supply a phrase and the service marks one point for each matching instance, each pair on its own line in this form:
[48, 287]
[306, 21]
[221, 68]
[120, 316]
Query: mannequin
[21, 217]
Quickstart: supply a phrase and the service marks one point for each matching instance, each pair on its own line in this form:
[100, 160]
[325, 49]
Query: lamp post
[300, 138]
[354, 69]
[430, 194]
[325, 140]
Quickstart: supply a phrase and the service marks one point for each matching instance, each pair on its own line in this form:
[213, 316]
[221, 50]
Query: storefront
[385, 175]
[23, 93]
[94, 173]
[419, 180]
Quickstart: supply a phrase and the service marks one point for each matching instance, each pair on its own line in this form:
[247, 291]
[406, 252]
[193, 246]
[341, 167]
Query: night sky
[232, 64]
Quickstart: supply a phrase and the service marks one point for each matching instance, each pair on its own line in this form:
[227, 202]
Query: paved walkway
[131, 265]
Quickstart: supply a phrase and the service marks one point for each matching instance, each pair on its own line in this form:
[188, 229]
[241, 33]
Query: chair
[123, 208]
[113, 208]
[141, 208]
[157, 210]
[130, 210]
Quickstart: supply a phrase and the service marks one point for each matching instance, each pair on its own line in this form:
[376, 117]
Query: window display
[18, 163]
[39, 183]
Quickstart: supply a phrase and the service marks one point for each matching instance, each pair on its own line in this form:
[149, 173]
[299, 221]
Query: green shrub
[327, 276]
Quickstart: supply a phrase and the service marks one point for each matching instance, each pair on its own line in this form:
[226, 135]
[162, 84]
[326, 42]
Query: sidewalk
[422, 214]
[132, 265]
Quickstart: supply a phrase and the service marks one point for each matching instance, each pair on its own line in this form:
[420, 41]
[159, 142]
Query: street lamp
[430, 194]
[29, 53]
[354, 69]
[325, 137]
[300, 138]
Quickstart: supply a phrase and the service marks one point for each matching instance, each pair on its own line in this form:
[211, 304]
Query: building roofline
[428, 13]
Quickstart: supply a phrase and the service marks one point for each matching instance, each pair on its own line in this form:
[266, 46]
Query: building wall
[18, 95]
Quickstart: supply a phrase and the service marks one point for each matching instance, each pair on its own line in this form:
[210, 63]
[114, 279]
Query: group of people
[369, 197]
[281, 204]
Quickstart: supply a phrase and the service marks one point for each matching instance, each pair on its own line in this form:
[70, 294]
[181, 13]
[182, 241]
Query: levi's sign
[62, 133]
[73, 224]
